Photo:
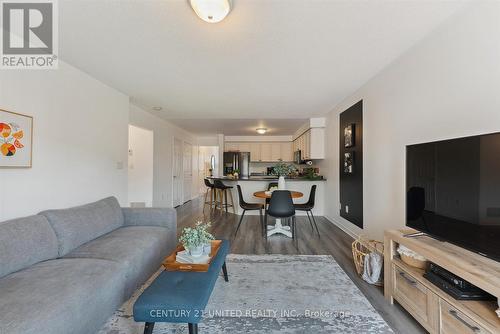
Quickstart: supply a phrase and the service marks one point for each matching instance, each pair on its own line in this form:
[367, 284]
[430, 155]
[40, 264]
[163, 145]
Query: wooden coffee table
[278, 227]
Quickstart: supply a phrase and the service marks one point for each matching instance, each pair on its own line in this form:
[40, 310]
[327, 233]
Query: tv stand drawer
[452, 321]
[416, 298]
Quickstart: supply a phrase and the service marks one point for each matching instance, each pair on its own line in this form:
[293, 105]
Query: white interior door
[177, 173]
[188, 171]
[140, 166]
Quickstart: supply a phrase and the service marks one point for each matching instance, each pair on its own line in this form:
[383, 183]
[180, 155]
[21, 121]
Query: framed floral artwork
[16, 140]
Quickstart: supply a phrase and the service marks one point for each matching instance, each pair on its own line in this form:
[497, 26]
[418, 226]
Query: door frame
[173, 172]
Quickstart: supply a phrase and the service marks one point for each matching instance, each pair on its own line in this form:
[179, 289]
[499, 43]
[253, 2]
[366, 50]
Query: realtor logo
[29, 34]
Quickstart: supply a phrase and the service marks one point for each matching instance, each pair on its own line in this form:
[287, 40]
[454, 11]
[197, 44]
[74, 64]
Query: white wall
[164, 134]
[79, 137]
[140, 165]
[446, 86]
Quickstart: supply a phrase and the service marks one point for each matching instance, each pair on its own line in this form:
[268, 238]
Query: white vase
[196, 251]
[207, 248]
[281, 183]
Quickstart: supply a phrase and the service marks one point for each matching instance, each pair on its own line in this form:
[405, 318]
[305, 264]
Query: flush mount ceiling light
[211, 11]
[261, 131]
[157, 108]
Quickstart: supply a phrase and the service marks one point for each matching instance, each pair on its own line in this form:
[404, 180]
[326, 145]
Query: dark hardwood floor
[333, 241]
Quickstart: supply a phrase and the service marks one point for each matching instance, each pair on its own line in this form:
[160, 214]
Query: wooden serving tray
[171, 265]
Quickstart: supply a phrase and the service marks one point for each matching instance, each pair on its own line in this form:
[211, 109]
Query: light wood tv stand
[433, 308]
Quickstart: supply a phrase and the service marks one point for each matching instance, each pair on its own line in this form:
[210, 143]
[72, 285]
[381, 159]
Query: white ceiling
[269, 59]
[240, 127]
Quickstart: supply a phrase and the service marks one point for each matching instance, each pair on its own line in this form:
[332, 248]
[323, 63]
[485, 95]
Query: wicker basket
[362, 247]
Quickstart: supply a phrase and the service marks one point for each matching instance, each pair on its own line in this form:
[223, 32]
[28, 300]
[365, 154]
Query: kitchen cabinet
[231, 147]
[244, 147]
[254, 152]
[311, 144]
[266, 152]
[275, 152]
[286, 151]
[263, 151]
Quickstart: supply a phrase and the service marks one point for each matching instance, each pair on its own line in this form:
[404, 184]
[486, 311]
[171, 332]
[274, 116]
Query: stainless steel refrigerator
[237, 160]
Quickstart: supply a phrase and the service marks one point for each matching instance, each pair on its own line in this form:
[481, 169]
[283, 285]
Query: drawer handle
[456, 316]
[409, 280]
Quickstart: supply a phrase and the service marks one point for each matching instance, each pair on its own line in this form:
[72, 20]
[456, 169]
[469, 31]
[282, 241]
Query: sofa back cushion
[24, 242]
[81, 224]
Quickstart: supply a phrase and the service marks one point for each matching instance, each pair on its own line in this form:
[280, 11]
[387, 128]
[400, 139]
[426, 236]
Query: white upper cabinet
[255, 152]
[275, 151]
[286, 151]
[266, 152]
[263, 151]
[244, 147]
[311, 144]
[230, 147]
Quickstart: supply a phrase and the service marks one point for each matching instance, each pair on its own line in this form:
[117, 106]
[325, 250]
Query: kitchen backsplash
[261, 167]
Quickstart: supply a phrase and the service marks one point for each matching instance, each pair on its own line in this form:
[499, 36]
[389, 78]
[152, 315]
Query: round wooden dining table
[265, 194]
[278, 227]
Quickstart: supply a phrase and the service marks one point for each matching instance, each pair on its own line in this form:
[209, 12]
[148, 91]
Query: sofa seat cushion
[61, 296]
[25, 241]
[140, 249]
[78, 225]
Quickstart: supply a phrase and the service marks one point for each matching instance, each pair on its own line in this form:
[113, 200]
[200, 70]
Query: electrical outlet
[347, 208]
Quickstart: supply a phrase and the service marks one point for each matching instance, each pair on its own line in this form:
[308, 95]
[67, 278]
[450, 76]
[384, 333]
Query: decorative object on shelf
[236, 173]
[348, 162]
[16, 139]
[349, 135]
[412, 258]
[368, 259]
[195, 239]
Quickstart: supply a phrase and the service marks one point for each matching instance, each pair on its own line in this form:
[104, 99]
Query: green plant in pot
[195, 239]
[205, 236]
[282, 170]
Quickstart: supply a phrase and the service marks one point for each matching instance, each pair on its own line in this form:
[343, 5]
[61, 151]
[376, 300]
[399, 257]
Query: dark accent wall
[351, 184]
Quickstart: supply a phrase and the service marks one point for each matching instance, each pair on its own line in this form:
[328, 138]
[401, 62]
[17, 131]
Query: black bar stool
[221, 191]
[281, 206]
[308, 207]
[210, 189]
[248, 207]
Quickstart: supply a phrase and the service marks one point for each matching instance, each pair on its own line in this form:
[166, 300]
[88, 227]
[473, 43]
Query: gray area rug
[274, 294]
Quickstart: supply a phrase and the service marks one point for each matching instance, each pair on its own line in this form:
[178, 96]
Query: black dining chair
[308, 207]
[248, 207]
[281, 206]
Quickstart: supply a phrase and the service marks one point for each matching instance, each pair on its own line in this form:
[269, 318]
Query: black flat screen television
[453, 191]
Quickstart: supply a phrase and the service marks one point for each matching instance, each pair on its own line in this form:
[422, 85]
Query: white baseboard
[342, 226]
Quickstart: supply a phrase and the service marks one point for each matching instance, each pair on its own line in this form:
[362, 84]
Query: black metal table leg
[224, 271]
[193, 328]
[148, 327]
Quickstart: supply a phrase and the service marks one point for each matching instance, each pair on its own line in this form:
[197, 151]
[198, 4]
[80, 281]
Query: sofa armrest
[164, 217]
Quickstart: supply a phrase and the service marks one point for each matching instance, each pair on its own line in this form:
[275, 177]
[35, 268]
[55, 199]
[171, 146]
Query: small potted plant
[191, 241]
[205, 236]
[195, 239]
[236, 173]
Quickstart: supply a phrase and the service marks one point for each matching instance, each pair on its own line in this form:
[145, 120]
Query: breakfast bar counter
[253, 184]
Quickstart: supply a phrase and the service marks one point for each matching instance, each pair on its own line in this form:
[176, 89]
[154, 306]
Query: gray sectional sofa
[66, 271]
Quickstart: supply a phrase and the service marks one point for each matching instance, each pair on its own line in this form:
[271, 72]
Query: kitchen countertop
[262, 178]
